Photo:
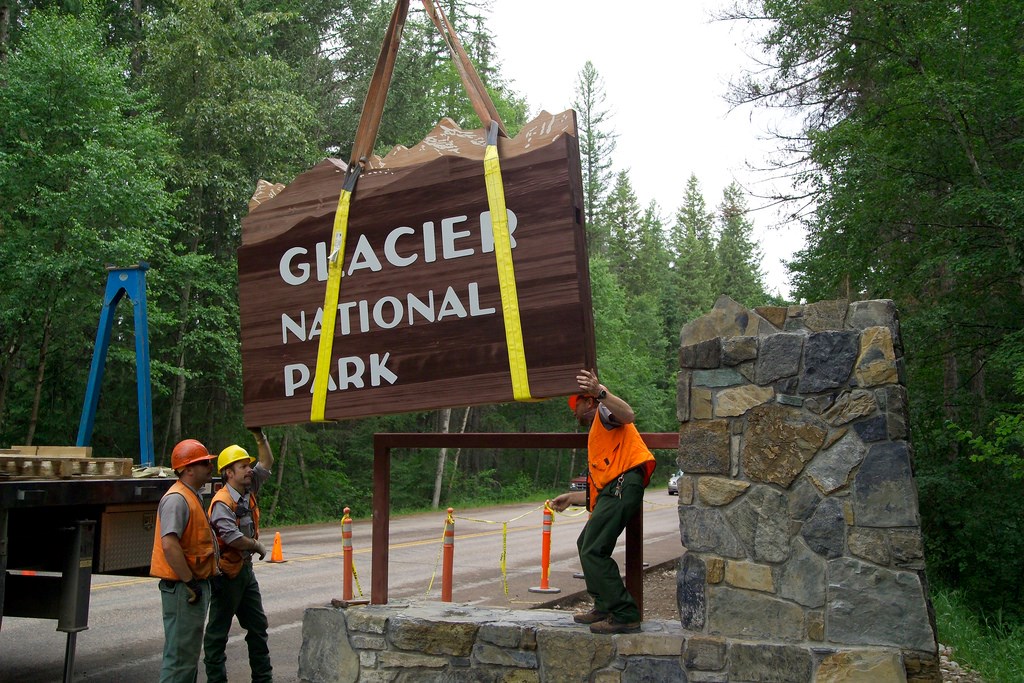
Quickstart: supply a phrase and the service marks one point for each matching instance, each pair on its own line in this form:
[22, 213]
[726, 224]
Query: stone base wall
[435, 641]
[432, 641]
[798, 509]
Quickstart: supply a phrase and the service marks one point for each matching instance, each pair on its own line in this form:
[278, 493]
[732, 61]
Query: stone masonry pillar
[803, 558]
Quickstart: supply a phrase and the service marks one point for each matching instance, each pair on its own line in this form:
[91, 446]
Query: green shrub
[988, 643]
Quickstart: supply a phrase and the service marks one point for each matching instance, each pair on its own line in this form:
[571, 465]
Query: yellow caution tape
[660, 505]
[506, 273]
[355, 576]
[571, 514]
[504, 549]
[514, 519]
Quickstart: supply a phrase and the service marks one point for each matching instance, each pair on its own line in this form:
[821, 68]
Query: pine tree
[650, 270]
[597, 144]
[623, 218]
[694, 284]
[738, 257]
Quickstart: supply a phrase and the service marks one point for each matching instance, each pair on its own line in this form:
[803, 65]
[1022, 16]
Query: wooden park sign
[420, 322]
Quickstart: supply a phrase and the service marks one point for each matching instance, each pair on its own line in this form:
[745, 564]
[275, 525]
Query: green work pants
[597, 542]
[183, 631]
[239, 597]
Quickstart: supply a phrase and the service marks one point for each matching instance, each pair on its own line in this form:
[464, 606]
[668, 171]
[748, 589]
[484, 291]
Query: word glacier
[401, 247]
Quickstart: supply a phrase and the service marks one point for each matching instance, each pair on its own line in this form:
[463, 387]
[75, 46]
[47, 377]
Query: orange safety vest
[611, 452]
[196, 540]
[231, 558]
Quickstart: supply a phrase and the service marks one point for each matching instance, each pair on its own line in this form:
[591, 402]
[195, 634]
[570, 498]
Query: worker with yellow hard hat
[235, 516]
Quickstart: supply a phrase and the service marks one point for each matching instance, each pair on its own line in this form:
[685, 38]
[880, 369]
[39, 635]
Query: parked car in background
[673, 483]
[578, 483]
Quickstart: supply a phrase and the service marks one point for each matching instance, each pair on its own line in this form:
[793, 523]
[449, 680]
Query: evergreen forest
[137, 132]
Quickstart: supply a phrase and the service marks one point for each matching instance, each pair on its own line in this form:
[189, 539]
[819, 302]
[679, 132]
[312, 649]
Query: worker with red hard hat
[184, 558]
[235, 516]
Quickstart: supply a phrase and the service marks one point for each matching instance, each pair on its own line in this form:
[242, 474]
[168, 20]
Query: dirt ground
[659, 595]
[660, 603]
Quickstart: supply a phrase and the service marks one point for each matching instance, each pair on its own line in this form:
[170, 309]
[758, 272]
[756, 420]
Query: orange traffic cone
[275, 554]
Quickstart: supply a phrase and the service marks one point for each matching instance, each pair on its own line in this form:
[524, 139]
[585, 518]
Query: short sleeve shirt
[173, 513]
[608, 420]
[233, 526]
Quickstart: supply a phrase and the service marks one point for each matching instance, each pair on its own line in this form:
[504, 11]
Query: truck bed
[36, 512]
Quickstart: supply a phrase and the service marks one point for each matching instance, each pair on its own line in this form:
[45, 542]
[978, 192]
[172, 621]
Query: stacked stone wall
[798, 509]
[431, 641]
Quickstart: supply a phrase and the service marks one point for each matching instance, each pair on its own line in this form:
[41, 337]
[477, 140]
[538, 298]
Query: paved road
[125, 637]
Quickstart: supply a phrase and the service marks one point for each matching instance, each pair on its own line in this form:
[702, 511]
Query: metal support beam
[76, 580]
[130, 281]
[381, 522]
[635, 558]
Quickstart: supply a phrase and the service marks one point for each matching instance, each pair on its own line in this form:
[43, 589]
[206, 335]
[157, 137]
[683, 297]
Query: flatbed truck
[55, 534]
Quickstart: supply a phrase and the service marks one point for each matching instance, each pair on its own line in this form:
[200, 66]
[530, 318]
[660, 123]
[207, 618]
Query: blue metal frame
[122, 281]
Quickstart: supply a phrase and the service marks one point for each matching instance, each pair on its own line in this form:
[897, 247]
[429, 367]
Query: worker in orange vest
[184, 558]
[235, 516]
[619, 469]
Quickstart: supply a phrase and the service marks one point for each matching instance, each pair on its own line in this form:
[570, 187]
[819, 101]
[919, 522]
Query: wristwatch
[602, 396]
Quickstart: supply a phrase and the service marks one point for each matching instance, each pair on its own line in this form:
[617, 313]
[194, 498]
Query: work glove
[195, 591]
[259, 549]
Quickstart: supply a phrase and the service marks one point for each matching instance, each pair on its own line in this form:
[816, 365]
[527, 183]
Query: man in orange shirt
[184, 558]
[619, 468]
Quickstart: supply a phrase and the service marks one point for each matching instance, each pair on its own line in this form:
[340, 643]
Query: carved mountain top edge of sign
[447, 138]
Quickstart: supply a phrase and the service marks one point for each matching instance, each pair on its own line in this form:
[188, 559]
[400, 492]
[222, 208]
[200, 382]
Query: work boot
[610, 626]
[590, 617]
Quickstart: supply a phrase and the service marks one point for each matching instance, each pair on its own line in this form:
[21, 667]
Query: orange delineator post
[545, 552]
[449, 557]
[346, 544]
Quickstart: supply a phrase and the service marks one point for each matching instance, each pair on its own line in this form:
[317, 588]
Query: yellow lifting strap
[506, 272]
[335, 266]
[366, 133]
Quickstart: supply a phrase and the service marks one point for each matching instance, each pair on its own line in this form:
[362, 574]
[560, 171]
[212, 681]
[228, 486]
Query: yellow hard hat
[232, 453]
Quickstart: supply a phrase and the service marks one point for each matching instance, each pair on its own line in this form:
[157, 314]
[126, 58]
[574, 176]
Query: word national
[388, 312]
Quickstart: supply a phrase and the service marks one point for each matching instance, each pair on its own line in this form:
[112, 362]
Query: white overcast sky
[665, 67]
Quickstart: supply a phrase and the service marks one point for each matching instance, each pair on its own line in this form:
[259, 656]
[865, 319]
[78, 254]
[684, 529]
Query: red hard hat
[188, 452]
